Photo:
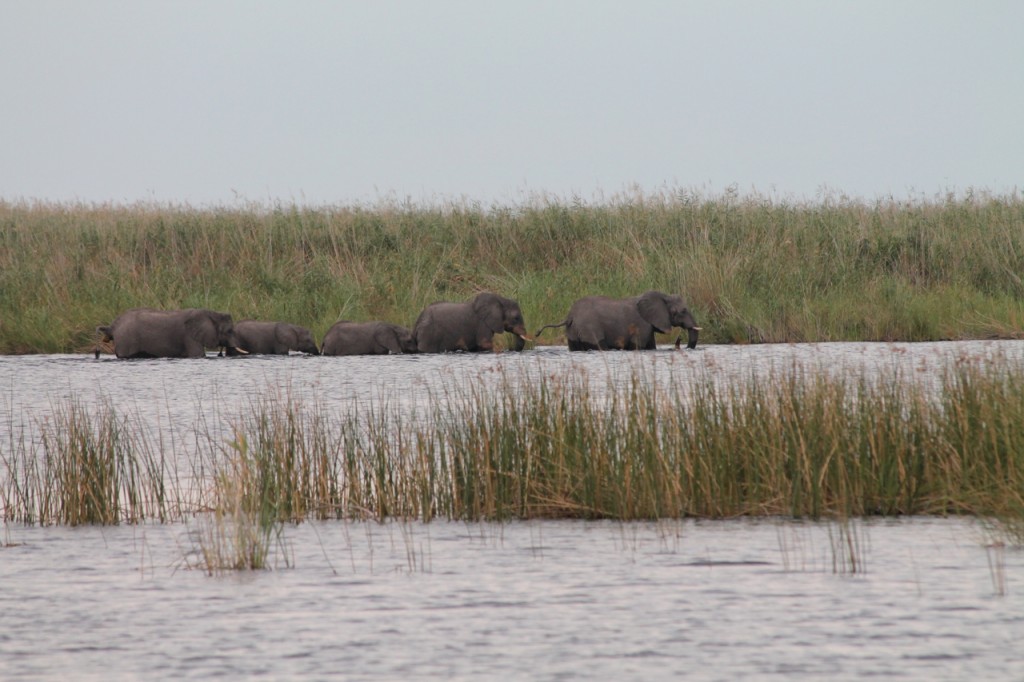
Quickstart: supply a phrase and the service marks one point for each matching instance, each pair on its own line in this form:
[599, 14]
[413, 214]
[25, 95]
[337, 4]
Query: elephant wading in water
[150, 333]
[273, 338]
[470, 326]
[600, 323]
[367, 338]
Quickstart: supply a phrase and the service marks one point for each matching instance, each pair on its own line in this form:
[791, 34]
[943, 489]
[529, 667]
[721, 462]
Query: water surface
[173, 392]
[720, 600]
[918, 598]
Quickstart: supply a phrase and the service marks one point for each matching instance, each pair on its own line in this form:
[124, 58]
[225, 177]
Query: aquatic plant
[284, 458]
[91, 467]
[797, 444]
[236, 535]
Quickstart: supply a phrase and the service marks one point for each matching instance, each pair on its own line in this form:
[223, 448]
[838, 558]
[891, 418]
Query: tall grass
[240, 532]
[795, 444]
[90, 466]
[754, 268]
[800, 445]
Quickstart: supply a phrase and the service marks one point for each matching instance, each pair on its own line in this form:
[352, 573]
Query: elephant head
[296, 338]
[397, 339]
[499, 314]
[211, 328]
[664, 311]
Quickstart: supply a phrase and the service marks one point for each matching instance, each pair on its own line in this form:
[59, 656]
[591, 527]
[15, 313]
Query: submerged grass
[754, 268]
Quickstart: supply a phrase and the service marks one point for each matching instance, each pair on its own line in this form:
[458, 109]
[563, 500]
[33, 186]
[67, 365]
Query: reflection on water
[544, 600]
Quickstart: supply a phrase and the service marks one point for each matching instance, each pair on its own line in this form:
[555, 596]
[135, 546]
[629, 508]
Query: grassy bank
[753, 269]
[791, 445]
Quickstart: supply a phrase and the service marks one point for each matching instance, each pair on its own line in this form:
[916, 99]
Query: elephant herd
[593, 323]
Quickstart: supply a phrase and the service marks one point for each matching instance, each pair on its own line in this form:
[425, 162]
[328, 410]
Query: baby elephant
[273, 338]
[367, 338]
[600, 323]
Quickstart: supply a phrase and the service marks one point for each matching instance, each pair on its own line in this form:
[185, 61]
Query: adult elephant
[470, 326]
[367, 338]
[601, 323]
[151, 333]
[273, 338]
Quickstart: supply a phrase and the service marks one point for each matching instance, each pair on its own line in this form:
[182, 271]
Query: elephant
[601, 323]
[470, 326]
[273, 338]
[367, 338]
[152, 333]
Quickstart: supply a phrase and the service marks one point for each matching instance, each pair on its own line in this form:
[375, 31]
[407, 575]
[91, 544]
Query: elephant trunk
[521, 337]
[691, 338]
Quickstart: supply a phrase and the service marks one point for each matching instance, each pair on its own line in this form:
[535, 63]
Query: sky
[217, 102]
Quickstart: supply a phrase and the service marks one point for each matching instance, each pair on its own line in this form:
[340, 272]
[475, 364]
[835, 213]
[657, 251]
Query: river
[917, 598]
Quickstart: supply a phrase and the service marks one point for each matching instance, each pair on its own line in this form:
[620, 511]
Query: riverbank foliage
[754, 269]
[809, 445]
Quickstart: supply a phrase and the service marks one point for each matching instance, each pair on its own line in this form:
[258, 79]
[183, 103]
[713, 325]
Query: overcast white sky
[213, 102]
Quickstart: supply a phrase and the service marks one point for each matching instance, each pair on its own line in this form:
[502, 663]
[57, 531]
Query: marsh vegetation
[795, 444]
[752, 268]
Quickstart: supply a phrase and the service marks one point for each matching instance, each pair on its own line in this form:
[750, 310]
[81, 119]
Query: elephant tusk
[240, 351]
[525, 337]
[697, 328]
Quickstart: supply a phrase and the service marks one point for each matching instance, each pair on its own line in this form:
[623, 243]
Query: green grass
[794, 445]
[753, 269]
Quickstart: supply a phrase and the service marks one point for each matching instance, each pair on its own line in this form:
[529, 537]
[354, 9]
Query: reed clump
[800, 443]
[89, 466]
[753, 268]
[240, 533]
[285, 460]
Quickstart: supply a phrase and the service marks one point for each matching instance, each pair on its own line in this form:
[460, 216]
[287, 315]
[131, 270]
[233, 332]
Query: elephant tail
[551, 326]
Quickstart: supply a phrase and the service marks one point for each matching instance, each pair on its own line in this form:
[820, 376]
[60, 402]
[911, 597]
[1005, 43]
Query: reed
[90, 466]
[239, 534]
[753, 268]
[284, 460]
[798, 444]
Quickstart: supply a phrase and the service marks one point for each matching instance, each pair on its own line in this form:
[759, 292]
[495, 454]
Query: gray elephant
[273, 338]
[600, 323]
[470, 326]
[151, 333]
[367, 338]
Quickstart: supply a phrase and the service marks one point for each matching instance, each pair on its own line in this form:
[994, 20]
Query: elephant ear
[388, 338]
[201, 327]
[653, 307]
[285, 334]
[490, 312]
